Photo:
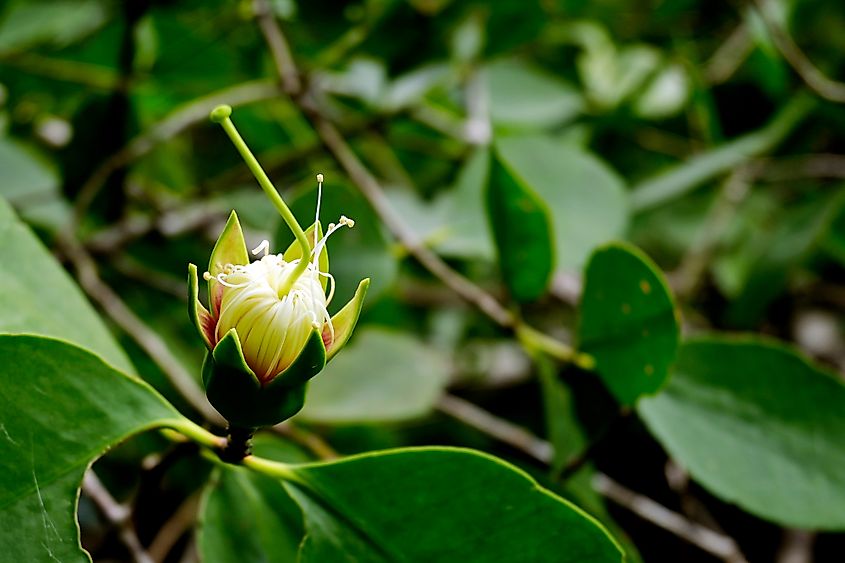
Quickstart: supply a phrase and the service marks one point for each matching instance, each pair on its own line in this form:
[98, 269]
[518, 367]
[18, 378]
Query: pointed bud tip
[220, 113]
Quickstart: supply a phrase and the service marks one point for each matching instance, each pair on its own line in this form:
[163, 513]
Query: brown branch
[308, 440]
[117, 514]
[796, 547]
[719, 545]
[814, 78]
[372, 191]
[174, 528]
[729, 56]
[278, 46]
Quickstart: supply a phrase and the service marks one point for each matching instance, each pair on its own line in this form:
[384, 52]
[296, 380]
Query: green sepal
[344, 321]
[234, 390]
[229, 249]
[314, 233]
[199, 315]
[310, 361]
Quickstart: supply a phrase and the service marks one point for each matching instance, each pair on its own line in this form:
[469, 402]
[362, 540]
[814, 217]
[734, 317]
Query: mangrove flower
[267, 328]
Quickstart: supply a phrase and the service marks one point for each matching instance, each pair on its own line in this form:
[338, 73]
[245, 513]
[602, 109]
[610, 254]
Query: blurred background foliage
[699, 131]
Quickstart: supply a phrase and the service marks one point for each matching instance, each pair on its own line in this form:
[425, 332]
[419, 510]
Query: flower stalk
[222, 115]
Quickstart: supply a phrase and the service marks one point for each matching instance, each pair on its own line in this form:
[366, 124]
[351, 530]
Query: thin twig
[717, 544]
[308, 440]
[144, 336]
[117, 514]
[170, 223]
[697, 259]
[279, 49]
[797, 547]
[372, 191]
[729, 56]
[174, 528]
[814, 78]
[499, 428]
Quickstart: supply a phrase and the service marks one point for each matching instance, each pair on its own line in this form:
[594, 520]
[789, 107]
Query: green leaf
[41, 298]
[562, 425]
[757, 425]
[382, 376]
[587, 200]
[439, 504]
[524, 96]
[25, 177]
[628, 321]
[681, 179]
[454, 222]
[246, 516]
[520, 223]
[27, 24]
[62, 408]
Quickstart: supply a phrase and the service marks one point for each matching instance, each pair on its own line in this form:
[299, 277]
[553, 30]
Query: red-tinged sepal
[344, 321]
[229, 249]
[199, 315]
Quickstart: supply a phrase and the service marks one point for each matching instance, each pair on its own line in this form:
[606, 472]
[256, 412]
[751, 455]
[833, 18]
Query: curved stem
[276, 469]
[532, 339]
[196, 433]
[221, 115]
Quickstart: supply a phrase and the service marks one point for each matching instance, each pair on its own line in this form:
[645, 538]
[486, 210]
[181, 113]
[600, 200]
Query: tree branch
[814, 78]
[117, 514]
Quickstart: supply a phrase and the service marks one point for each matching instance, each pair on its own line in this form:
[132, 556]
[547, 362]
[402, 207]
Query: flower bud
[267, 329]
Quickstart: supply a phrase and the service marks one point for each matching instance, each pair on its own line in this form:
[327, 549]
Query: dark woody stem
[238, 444]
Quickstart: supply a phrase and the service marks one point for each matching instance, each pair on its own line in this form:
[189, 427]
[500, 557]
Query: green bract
[259, 377]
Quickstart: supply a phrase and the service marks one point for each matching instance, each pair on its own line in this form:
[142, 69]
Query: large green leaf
[586, 199]
[61, 407]
[757, 425]
[439, 504]
[27, 24]
[524, 96]
[453, 223]
[628, 321]
[39, 297]
[247, 516]
[521, 225]
[382, 376]
[26, 178]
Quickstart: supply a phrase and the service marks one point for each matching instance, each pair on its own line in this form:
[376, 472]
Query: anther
[320, 178]
[206, 276]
